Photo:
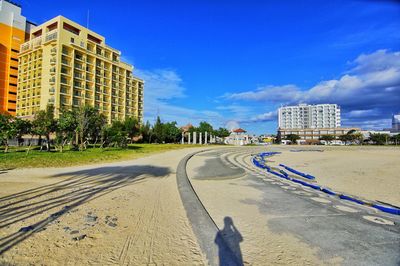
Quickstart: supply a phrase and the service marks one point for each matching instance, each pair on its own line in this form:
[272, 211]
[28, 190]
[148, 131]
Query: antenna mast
[87, 21]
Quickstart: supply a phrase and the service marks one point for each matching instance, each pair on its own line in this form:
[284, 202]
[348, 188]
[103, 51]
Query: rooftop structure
[68, 65]
[239, 130]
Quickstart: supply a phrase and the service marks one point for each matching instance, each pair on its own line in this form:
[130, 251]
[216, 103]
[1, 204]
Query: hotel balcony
[50, 36]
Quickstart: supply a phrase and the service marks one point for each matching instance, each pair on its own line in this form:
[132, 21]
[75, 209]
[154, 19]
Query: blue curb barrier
[330, 192]
[351, 199]
[297, 172]
[262, 164]
[387, 209]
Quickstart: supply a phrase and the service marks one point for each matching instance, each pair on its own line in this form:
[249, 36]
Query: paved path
[281, 222]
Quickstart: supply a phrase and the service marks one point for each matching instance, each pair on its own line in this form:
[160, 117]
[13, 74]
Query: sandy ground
[126, 213]
[275, 226]
[260, 246]
[130, 213]
[369, 172]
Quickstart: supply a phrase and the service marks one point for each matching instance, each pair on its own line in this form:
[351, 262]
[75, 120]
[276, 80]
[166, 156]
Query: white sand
[371, 172]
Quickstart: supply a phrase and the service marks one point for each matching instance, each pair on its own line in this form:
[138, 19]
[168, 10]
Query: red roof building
[239, 130]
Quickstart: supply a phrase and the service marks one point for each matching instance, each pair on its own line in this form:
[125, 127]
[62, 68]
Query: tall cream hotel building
[68, 65]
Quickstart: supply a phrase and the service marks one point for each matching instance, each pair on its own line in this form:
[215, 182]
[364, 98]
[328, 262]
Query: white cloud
[268, 93]
[265, 117]
[362, 113]
[368, 93]
[372, 83]
[232, 124]
[377, 61]
[163, 86]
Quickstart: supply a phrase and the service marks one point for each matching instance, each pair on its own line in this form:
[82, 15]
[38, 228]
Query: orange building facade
[14, 31]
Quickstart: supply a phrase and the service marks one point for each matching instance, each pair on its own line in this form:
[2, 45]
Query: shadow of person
[228, 241]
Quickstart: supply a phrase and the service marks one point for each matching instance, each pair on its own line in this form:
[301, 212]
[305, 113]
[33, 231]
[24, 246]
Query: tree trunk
[48, 142]
[29, 148]
[62, 145]
[76, 138]
[40, 142]
[81, 145]
[6, 146]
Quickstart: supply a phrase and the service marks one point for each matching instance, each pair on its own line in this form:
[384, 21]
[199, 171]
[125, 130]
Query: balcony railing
[52, 35]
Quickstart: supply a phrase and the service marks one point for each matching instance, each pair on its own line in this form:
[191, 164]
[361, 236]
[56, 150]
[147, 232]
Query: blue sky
[235, 62]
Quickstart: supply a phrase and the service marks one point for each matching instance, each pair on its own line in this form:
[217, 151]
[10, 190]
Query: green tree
[395, 139]
[378, 138]
[132, 128]
[171, 132]
[23, 127]
[293, 138]
[158, 131]
[117, 135]
[8, 129]
[146, 132]
[97, 122]
[203, 128]
[85, 116]
[278, 139]
[345, 138]
[44, 124]
[222, 132]
[66, 128]
[357, 137]
[328, 138]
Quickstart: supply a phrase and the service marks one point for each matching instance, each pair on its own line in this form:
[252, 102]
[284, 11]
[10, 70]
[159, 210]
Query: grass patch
[17, 158]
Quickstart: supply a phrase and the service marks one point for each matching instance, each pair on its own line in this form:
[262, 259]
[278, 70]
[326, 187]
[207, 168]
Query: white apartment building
[396, 123]
[309, 116]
